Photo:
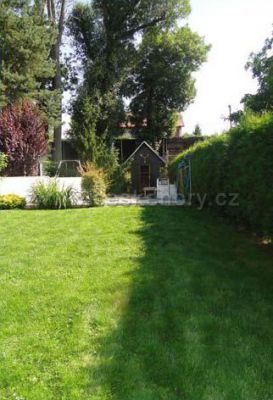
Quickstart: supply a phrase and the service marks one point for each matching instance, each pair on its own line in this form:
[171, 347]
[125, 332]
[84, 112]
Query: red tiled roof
[129, 125]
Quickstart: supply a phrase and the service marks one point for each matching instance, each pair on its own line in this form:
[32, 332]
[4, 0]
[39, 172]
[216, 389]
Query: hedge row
[240, 161]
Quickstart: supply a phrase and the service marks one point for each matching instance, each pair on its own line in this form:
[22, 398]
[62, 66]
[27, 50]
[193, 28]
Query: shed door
[144, 176]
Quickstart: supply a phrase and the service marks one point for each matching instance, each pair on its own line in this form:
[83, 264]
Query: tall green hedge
[240, 161]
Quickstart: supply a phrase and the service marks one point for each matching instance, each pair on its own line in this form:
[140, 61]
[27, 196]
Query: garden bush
[65, 169]
[94, 185]
[121, 181]
[240, 161]
[11, 201]
[23, 138]
[50, 168]
[50, 196]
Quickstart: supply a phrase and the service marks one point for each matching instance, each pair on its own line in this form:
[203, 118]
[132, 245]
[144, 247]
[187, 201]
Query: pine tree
[83, 129]
[25, 64]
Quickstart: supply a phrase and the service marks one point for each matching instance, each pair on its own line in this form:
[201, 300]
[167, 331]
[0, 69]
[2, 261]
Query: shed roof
[144, 143]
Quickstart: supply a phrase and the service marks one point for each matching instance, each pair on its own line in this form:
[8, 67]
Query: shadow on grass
[199, 320]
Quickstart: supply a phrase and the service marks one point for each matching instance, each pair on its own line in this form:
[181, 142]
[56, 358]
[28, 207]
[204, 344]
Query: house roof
[128, 124]
[149, 147]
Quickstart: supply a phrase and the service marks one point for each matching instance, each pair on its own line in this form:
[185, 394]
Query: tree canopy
[132, 56]
[130, 49]
[261, 65]
[161, 82]
[25, 63]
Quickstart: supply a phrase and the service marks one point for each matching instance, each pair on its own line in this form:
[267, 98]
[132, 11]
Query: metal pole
[190, 179]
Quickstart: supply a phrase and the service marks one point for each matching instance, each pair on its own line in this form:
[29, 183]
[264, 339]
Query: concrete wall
[22, 185]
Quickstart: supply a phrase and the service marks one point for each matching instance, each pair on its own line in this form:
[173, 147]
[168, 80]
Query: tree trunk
[57, 83]
[56, 14]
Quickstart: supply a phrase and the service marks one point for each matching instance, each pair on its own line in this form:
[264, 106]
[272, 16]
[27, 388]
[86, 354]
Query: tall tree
[105, 34]
[83, 130]
[161, 82]
[261, 65]
[25, 64]
[56, 13]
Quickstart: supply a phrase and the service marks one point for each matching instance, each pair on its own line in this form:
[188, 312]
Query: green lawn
[133, 304]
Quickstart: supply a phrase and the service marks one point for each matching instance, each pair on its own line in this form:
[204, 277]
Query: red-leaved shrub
[23, 138]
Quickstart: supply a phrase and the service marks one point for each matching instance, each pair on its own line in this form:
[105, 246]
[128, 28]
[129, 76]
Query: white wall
[166, 191]
[22, 185]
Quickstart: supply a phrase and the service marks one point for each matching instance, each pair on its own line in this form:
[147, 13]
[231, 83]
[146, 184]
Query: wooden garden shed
[146, 164]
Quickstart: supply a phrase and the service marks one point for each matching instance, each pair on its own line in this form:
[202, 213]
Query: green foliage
[69, 169]
[239, 161]
[50, 196]
[121, 180]
[90, 146]
[96, 113]
[235, 117]
[11, 201]
[66, 168]
[187, 135]
[94, 185]
[26, 66]
[107, 159]
[50, 168]
[173, 120]
[197, 130]
[83, 127]
[261, 65]
[161, 81]
[102, 61]
[3, 161]
[104, 33]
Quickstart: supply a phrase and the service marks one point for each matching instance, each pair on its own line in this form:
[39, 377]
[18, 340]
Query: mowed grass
[133, 304]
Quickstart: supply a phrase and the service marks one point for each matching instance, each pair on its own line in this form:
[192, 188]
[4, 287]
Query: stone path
[140, 201]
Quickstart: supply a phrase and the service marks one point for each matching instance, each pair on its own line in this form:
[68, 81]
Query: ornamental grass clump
[94, 185]
[50, 196]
